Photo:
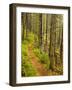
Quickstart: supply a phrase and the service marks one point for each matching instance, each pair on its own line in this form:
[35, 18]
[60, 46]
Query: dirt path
[34, 60]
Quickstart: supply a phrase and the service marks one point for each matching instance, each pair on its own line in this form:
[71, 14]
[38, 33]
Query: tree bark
[52, 42]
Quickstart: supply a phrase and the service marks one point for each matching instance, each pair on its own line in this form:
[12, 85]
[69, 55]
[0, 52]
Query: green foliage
[24, 50]
[24, 59]
[25, 42]
[30, 38]
[37, 52]
[27, 68]
[43, 57]
[41, 32]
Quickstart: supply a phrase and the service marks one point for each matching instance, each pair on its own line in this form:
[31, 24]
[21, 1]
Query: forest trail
[34, 60]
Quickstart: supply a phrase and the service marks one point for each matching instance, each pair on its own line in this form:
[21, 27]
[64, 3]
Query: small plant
[27, 68]
[37, 52]
[30, 38]
[43, 57]
[45, 60]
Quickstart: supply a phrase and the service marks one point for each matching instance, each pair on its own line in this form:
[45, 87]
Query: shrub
[43, 57]
[37, 52]
[24, 49]
[30, 38]
[45, 60]
[25, 42]
[27, 68]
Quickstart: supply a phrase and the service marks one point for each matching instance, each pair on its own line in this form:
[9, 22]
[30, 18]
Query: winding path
[34, 60]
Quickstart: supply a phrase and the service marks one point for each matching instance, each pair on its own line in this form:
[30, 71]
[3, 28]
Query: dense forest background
[42, 44]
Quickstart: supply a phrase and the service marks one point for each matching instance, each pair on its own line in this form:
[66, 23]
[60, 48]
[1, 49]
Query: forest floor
[34, 60]
[41, 71]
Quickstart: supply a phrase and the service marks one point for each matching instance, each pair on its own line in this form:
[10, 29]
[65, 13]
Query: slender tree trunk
[40, 35]
[46, 41]
[61, 48]
[23, 25]
[52, 42]
[26, 25]
[43, 32]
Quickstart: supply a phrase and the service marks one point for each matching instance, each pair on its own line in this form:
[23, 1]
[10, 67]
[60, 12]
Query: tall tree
[52, 42]
[46, 33]
[40, 31]
[43, 31]
[23, 23]
[27, 24]
[61, 47]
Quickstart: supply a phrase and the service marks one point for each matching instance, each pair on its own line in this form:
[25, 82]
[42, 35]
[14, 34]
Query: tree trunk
[40, 32]
[23, 25]
[52, 42]
[61, 48]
